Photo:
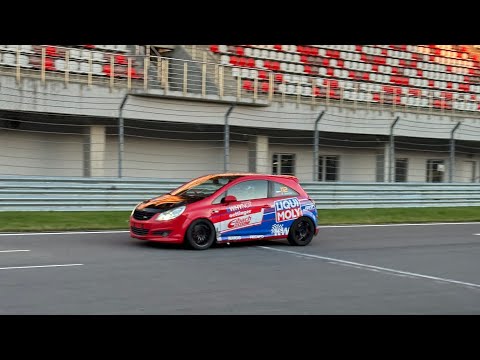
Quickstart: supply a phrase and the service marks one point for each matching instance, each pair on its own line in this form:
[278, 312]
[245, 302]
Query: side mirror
[229, 199]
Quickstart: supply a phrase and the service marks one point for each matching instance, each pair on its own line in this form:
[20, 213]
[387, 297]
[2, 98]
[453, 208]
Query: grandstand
[438, 76]
[359, 113]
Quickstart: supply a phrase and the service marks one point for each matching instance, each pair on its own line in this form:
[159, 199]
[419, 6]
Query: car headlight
[171, 214]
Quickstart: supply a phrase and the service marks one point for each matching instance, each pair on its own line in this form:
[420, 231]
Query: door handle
[215, 211]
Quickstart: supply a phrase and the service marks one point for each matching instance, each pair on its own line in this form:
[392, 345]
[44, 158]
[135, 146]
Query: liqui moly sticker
[287, 209]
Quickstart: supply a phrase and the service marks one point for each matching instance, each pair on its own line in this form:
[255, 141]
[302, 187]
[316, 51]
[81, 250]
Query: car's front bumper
[171, 231]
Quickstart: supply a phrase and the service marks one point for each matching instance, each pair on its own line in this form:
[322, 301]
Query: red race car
[228, 207]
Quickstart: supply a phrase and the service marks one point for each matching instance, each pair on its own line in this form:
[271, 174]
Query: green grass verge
[22, 221]
[396, 216]
[118, 220]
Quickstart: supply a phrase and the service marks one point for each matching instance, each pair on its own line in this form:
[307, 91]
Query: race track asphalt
[359, 270]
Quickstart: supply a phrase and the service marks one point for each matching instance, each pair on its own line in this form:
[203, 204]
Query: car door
[242, 219]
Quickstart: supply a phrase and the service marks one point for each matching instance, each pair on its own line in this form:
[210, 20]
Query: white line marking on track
[374, 268]
[381, 225]
[321, 227]
[37, 266]
[65, 233]
[9, 251]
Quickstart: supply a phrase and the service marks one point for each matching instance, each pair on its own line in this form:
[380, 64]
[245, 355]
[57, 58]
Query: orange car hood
[164, 199]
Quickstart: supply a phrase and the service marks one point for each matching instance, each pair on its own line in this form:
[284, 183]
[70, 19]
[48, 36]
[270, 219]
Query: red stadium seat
[51, 51]
[107, 69]
[120, 59]
[233, 60]
[264, 87]
[49, 64]
[247, 85]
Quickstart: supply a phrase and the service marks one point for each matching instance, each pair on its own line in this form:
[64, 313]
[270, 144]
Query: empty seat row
[79, 53]
[431, 80]
[352, 95]
[60, 64]
[372, 78]
[369, 87]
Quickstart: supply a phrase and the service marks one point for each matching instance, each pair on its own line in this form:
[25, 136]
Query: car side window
[249, 190]
[218, 200]
[279, 189]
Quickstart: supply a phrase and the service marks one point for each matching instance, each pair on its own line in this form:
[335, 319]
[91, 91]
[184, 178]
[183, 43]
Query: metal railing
[80, 194]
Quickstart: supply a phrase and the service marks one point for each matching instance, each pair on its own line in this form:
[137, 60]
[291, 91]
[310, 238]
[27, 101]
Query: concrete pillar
[258, 156]
[94, 151]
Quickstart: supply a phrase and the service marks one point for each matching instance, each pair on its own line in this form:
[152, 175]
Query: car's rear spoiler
[290, 177]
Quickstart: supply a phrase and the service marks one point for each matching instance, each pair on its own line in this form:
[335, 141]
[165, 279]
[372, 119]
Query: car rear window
[279, 189]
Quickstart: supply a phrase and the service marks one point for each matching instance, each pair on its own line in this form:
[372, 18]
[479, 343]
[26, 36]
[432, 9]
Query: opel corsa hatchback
[228, 207]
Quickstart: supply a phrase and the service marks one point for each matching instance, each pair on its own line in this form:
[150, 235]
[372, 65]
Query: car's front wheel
[200, 235]
[301, 232]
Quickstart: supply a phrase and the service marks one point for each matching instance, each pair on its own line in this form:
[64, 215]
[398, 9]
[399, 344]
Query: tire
[200, 235]
[301, 232]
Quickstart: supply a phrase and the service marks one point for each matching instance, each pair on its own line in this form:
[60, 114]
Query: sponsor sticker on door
[248, 218]
[287, 209]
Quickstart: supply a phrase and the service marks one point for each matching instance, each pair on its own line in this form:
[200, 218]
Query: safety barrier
[102, 194]
[392, 195]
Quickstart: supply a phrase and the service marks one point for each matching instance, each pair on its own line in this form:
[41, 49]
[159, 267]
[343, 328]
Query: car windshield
[204, 186]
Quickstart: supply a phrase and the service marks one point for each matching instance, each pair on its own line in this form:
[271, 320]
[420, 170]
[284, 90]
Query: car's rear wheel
[200, 235]
[301, 232]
